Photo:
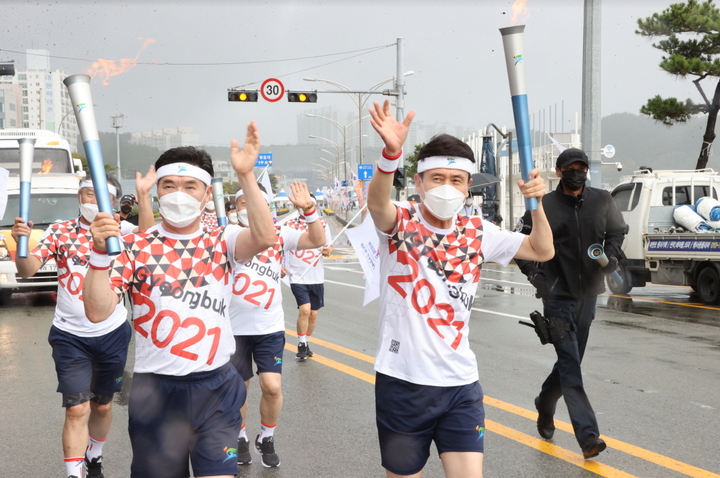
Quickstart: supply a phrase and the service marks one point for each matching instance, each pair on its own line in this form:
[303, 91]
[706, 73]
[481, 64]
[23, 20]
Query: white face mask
[89, 211]
[232, 218]
[468, 202]
[179, 209]
[444, 201]
[243, 217]
[210, 205]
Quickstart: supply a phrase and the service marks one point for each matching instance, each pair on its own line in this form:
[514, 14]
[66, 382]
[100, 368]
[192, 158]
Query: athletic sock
[303, 338]
[266, 431]
[242, 433]
[94, 448]
[74, 466]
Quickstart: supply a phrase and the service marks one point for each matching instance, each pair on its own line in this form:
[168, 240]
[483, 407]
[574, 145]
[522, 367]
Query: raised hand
[243, 160]
[143, 184]
[535, 187]
[390, 130]
[300, 195]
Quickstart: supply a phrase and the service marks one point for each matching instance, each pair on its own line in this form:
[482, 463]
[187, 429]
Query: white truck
[656, 252]
[55, 182]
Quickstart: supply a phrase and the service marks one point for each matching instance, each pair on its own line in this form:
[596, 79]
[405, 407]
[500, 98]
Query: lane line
[647, 455]
[645, 299]
[337, 348]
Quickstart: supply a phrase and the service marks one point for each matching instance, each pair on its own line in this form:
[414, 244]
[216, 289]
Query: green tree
[690, 35]
[86, 168]
[411, 162]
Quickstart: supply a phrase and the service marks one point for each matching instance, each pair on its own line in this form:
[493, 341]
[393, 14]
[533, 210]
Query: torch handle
[524, 142]
[26, 149]
[616, 277]
[22, 250]
[99, 179]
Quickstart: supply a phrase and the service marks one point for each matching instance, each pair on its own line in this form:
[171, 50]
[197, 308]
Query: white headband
[240, 192]
[446, 162]
[88, 184]
[184, 169]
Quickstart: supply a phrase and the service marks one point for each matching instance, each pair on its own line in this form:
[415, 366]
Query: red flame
[46, 167]
[519, 11]
[108, 68]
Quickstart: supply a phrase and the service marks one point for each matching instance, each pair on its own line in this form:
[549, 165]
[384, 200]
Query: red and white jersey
[208, 220]
[180, 290]
[256, 305]
[297, 262]
[69, 243]
[432, 276]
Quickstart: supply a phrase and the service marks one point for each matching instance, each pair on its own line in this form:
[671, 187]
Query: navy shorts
[410, 416]
[196, 417]
[266, 350]
[313, 294]
[89, 368]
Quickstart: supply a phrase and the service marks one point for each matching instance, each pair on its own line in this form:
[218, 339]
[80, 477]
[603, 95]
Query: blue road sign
[264, 159]
[344, 184]
[365, 171]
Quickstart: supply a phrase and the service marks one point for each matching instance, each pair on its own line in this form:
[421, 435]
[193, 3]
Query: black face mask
[125, 209]
[574, 179]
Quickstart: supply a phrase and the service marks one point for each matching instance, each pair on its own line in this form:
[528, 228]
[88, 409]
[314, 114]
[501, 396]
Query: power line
[154, 63]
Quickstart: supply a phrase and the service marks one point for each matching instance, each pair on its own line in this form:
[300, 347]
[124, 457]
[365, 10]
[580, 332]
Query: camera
[619, 166]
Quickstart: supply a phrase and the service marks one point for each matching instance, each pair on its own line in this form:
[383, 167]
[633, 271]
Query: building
[44, 102]
[167, 138]
[10, 105]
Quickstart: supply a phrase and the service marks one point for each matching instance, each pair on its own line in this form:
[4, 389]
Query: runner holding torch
[27, 153]
[513, 46]
[79, 89]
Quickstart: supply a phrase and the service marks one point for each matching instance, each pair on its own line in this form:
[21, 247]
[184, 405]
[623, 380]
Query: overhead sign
[264, 159]
[365, 171]
[272, 90]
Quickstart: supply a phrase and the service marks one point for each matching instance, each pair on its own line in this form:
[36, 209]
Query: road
[651, 370]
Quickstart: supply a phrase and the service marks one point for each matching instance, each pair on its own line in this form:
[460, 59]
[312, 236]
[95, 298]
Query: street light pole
[117, 124]
[507, 136]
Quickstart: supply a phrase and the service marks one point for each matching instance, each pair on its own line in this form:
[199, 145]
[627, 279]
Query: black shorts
[196, 417]
[410, 416]
[266, 350]
[89, 368]
[313, 294]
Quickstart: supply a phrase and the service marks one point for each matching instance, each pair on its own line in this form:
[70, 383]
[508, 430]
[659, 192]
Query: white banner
[365, 241]
[4, 174]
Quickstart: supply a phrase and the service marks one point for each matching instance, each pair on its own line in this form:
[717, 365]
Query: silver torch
[219, 200]
[597, 252]
[513, 45]
[27, 154]
[79, 89]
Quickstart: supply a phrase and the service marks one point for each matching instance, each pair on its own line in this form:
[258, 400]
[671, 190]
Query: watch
[309, 208]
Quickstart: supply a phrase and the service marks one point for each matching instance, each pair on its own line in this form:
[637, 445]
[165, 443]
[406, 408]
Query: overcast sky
[453, 46]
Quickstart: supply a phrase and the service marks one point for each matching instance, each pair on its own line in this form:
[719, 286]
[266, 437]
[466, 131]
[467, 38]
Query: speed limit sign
[272, 90]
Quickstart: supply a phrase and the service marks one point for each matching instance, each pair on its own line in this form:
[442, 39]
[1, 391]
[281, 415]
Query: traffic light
[302, 97]
[399, 179]
[243, 95]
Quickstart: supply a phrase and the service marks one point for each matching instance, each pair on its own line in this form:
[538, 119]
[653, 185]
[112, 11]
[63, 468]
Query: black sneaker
[243, 452]
[94, 468]
[302, 352]
[593, 448]
[266, 449]
[309, 352]
[545, 423]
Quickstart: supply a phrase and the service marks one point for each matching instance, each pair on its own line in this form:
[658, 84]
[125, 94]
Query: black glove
[611, 265]
[537, 279]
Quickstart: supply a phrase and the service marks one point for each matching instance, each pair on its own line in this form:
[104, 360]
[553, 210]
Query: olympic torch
[79, 89]
[219, 200]
[27, 153]
[513, 45]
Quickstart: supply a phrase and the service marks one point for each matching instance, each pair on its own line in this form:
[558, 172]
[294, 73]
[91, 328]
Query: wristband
[309, 212]
[100, 260]
[310, 218]
[388, 164]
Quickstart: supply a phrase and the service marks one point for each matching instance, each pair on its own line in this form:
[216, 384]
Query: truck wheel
[625, 287]
[5, 297]
[708, 285]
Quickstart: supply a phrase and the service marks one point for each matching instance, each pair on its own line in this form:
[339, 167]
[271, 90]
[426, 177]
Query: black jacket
[578, 222]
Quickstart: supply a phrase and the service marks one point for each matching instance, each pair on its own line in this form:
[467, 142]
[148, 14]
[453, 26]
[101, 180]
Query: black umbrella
[481, 180]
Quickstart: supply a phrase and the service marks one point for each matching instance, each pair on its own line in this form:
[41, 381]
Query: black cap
[571, 155]
[128, 198]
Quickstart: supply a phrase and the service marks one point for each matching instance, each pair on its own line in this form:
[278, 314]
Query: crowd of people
[206, 305]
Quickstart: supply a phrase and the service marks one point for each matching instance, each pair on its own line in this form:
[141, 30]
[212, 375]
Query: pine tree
[690, 35]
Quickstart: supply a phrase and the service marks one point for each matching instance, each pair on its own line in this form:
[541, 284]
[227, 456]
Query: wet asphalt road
[652, 372]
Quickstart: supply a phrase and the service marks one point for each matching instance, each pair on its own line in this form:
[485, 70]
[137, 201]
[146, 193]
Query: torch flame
[108, 68]
[46, 167]
[519, 11]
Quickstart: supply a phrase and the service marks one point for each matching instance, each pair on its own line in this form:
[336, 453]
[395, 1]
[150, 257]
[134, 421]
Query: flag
[265, 181]
[365, 241]
[337, 184]
[559, 146]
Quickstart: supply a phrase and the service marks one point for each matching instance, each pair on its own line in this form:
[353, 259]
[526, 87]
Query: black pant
[566, 377]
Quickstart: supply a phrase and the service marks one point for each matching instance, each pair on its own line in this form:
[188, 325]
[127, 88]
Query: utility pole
[117, 124]
[590, 128]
